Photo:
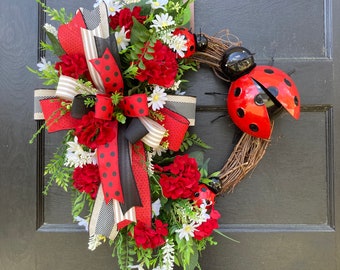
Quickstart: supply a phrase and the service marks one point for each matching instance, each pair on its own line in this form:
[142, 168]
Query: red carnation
[160, 70]
[147, 237]
[73, 65]
[86, 179]
[93, 132]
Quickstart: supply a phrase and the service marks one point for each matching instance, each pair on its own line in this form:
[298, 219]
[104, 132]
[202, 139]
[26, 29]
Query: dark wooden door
[283, 214]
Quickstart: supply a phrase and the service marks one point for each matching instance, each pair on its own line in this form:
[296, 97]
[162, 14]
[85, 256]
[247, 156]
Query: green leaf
[57, 49]
[139, 33]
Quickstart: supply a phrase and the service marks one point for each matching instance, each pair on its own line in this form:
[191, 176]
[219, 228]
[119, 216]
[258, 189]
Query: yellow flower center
[155, 98]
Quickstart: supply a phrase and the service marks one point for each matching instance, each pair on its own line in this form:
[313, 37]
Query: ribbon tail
[103, 219]
[128, 183]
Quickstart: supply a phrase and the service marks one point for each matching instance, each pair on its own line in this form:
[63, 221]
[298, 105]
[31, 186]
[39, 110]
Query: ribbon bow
[124, 195]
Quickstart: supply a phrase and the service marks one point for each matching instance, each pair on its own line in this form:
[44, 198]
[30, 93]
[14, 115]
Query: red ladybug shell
[190, 37]
[245, 104]
[204, 196]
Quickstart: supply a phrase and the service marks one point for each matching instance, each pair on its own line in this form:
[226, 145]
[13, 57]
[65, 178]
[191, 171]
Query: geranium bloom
[121, 39]
[162, 69]
[207, 227]
[87, 179]
[147, 237]
[124, 18]
[183, 180]
[73, 65]
[184, 166]
[176, 187]
[157, 98]
[93, 132]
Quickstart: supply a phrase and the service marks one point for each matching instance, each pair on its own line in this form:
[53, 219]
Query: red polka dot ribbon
[104, 107]
[109, 169]
[109, 72]
[55, 116]
[177, 125]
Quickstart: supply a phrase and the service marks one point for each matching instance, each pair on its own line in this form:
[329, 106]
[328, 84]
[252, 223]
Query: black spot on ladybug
[106, 56]
[240, 112]
[254, 127]
[296, 101]
[258, 100]
[203, 189]
[269, 71]
[273, 90]
[192, 48]
[196, 194]
[237, 91]
[287, 82]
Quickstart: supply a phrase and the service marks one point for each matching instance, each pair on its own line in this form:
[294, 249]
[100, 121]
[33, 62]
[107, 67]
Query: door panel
[283, 213]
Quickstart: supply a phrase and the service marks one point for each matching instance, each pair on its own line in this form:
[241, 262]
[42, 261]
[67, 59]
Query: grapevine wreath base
[125, 156]
[249, 150]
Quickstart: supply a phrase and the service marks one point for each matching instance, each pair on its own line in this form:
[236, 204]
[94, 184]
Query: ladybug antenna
[291, 72]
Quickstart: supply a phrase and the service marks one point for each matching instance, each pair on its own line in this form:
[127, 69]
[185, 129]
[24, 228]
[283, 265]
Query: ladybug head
[201, 42]
[237, 61]
[204, 196]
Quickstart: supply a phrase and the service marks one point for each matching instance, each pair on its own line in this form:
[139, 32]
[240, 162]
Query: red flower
[184, 166]
[124, 18]
[160, 70]
[147, 237]
[206, 228]
[183, 180]
[93, 132]
[73, 65]
[86, 179]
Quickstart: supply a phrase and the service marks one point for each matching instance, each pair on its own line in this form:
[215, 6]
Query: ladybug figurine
[257, 93]
[194, 42]
[204, 196]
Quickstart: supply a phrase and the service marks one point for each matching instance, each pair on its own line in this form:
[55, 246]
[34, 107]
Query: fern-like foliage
[57, 171]
[192, 139]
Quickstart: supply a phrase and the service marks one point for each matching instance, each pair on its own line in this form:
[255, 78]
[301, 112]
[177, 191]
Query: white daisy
[121, 39]
[156, 4]
[113, 7]
[187, 231]
[158, 98]
[43, 64]
[178, 44]
[162, 21]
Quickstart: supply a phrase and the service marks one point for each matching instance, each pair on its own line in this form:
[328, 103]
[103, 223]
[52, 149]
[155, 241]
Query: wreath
[118, 79]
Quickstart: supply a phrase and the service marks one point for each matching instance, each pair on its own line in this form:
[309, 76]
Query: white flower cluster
[193, 221]
[76, 156]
